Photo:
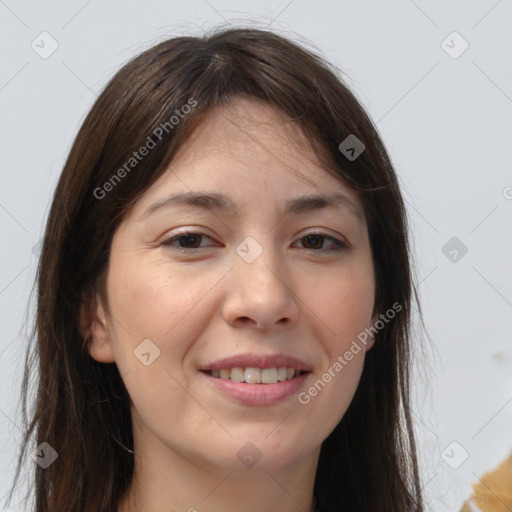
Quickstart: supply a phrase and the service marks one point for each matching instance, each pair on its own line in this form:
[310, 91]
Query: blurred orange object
[493, 493]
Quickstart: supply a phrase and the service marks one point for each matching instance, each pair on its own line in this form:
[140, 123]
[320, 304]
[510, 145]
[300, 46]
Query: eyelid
[338, 243]
[321, 231]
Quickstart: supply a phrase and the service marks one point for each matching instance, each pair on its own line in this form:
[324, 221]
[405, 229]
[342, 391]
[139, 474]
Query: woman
[267, 369]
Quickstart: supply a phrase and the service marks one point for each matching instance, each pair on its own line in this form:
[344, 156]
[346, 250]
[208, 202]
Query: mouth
[253, 386]
[254, 375]
[257, 379]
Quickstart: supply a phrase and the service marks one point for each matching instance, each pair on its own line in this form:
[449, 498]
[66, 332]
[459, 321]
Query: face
[247, 280]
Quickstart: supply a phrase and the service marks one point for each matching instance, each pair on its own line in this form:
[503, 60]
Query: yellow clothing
[493, 493]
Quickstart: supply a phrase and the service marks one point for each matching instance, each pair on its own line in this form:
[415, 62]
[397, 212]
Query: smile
[252, 375]
[250, 393]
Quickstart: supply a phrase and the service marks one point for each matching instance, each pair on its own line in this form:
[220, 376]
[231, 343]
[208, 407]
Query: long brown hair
[82, 410]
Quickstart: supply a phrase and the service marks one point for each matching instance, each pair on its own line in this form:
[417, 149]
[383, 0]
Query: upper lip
[258, 361]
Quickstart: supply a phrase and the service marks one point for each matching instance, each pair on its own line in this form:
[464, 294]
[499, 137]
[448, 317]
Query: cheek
[344, 383]
[141, 294]
[345, 308]
[159, 303]
[138, 291]
[158, 394]
[153, 299]
[328, 397]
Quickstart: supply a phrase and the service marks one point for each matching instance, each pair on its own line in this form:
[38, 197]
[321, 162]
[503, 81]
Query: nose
[261, 293]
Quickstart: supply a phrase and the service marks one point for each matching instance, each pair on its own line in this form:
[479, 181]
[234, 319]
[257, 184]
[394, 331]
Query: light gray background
[447, 123]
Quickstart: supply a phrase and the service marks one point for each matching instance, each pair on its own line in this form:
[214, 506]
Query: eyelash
[168, 243]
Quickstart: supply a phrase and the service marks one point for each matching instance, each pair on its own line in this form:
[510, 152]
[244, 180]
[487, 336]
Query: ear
[371, 340]
[94, 329]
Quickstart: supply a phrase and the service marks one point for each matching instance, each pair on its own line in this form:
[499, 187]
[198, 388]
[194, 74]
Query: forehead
[248, 147]
[253, 134]
[246, 123]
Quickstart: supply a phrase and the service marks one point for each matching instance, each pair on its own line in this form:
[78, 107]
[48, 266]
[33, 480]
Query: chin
[260, 451]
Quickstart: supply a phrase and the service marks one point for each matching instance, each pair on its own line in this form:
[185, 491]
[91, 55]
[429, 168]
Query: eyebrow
[223, 203]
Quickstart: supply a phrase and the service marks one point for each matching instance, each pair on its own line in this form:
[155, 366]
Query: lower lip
[258, 394]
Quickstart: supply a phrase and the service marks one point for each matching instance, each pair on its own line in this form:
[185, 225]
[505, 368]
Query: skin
[296, 298]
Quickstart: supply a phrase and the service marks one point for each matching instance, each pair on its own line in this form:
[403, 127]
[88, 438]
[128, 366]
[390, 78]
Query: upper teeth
[256, 375]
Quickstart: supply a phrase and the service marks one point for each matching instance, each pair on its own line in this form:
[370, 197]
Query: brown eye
[316, 240]
[191, 242]
[187, 241]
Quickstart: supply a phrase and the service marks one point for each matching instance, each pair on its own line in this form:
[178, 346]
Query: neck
[165, 481]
